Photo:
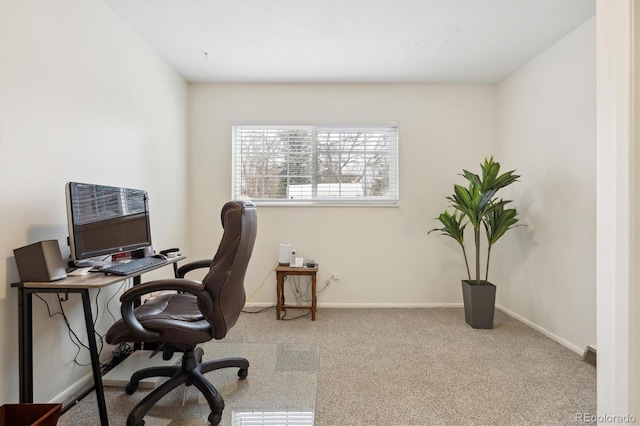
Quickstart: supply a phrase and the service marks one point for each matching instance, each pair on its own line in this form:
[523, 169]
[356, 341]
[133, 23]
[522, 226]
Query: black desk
[72, 284]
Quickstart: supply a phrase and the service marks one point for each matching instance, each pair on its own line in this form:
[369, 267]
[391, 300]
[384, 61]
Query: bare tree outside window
[316, 163]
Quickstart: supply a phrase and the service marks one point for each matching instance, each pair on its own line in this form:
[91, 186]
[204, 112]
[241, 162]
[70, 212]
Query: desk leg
[25, 344]
[95, 360]
[313, 297]
[136, 281]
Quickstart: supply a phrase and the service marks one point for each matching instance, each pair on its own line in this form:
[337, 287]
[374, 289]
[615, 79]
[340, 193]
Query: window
[333, 165]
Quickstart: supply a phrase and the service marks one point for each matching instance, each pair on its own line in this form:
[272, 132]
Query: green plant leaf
[491, 179]
[498, 221]
[452, 226]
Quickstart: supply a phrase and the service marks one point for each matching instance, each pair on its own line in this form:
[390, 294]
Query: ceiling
[356, 41]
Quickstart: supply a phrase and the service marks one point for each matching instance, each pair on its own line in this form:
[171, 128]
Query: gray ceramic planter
[479, 303]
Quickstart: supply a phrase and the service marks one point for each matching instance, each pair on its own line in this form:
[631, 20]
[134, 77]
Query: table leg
[95, 360]
[313, 297]
[282, 298]
[278, 295]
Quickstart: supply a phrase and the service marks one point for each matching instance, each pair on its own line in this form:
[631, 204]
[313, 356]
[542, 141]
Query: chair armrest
[132, 295]
[192, 266]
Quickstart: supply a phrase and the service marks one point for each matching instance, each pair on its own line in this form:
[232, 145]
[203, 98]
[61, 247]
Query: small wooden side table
[281, 272]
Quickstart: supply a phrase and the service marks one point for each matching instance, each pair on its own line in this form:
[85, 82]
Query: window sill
[326, 203]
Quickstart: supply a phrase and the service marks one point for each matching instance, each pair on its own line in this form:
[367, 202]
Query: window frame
[391, 200]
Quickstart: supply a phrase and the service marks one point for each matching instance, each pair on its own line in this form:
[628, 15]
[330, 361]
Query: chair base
[190, 372]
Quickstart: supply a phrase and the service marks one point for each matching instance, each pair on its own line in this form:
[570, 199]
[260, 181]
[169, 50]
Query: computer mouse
[160, 256]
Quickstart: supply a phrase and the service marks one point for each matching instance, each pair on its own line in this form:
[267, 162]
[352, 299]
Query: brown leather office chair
[197, 313]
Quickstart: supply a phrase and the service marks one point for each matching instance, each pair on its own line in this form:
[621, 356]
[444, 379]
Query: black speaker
[40, 262]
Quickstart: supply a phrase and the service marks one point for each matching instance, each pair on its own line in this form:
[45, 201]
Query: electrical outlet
[335, 276]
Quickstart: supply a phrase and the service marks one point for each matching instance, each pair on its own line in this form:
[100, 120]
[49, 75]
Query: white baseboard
[259, 304]
[542, 330]
[74, 389]
[390, 305]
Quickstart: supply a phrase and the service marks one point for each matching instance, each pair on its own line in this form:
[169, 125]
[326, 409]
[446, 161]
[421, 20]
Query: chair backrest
[225, 279]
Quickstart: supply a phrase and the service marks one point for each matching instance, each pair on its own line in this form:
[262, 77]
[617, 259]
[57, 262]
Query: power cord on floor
[284, 316]
[259, 310]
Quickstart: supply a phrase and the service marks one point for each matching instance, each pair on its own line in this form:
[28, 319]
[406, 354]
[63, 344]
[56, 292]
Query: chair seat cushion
[175, 316]
[182, 307]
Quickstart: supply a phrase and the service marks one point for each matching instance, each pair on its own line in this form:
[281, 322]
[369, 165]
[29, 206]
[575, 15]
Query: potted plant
[478, 206]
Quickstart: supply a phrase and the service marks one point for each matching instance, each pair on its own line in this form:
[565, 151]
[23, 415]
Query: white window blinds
[316, 164]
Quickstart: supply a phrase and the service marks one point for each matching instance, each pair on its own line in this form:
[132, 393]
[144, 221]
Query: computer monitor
[106, 220]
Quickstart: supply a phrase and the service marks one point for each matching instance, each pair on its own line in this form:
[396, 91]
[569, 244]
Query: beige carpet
[379, 367]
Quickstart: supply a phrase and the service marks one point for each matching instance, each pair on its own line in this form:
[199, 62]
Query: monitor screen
[105, 220]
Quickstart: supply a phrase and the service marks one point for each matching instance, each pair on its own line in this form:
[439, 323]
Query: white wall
[83, 99]
[618, 226]
[546, 115]
[383, 254]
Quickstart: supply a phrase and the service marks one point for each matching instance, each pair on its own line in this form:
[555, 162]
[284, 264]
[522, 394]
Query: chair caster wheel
[131, 388]
[242, 373]
[214, 418]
